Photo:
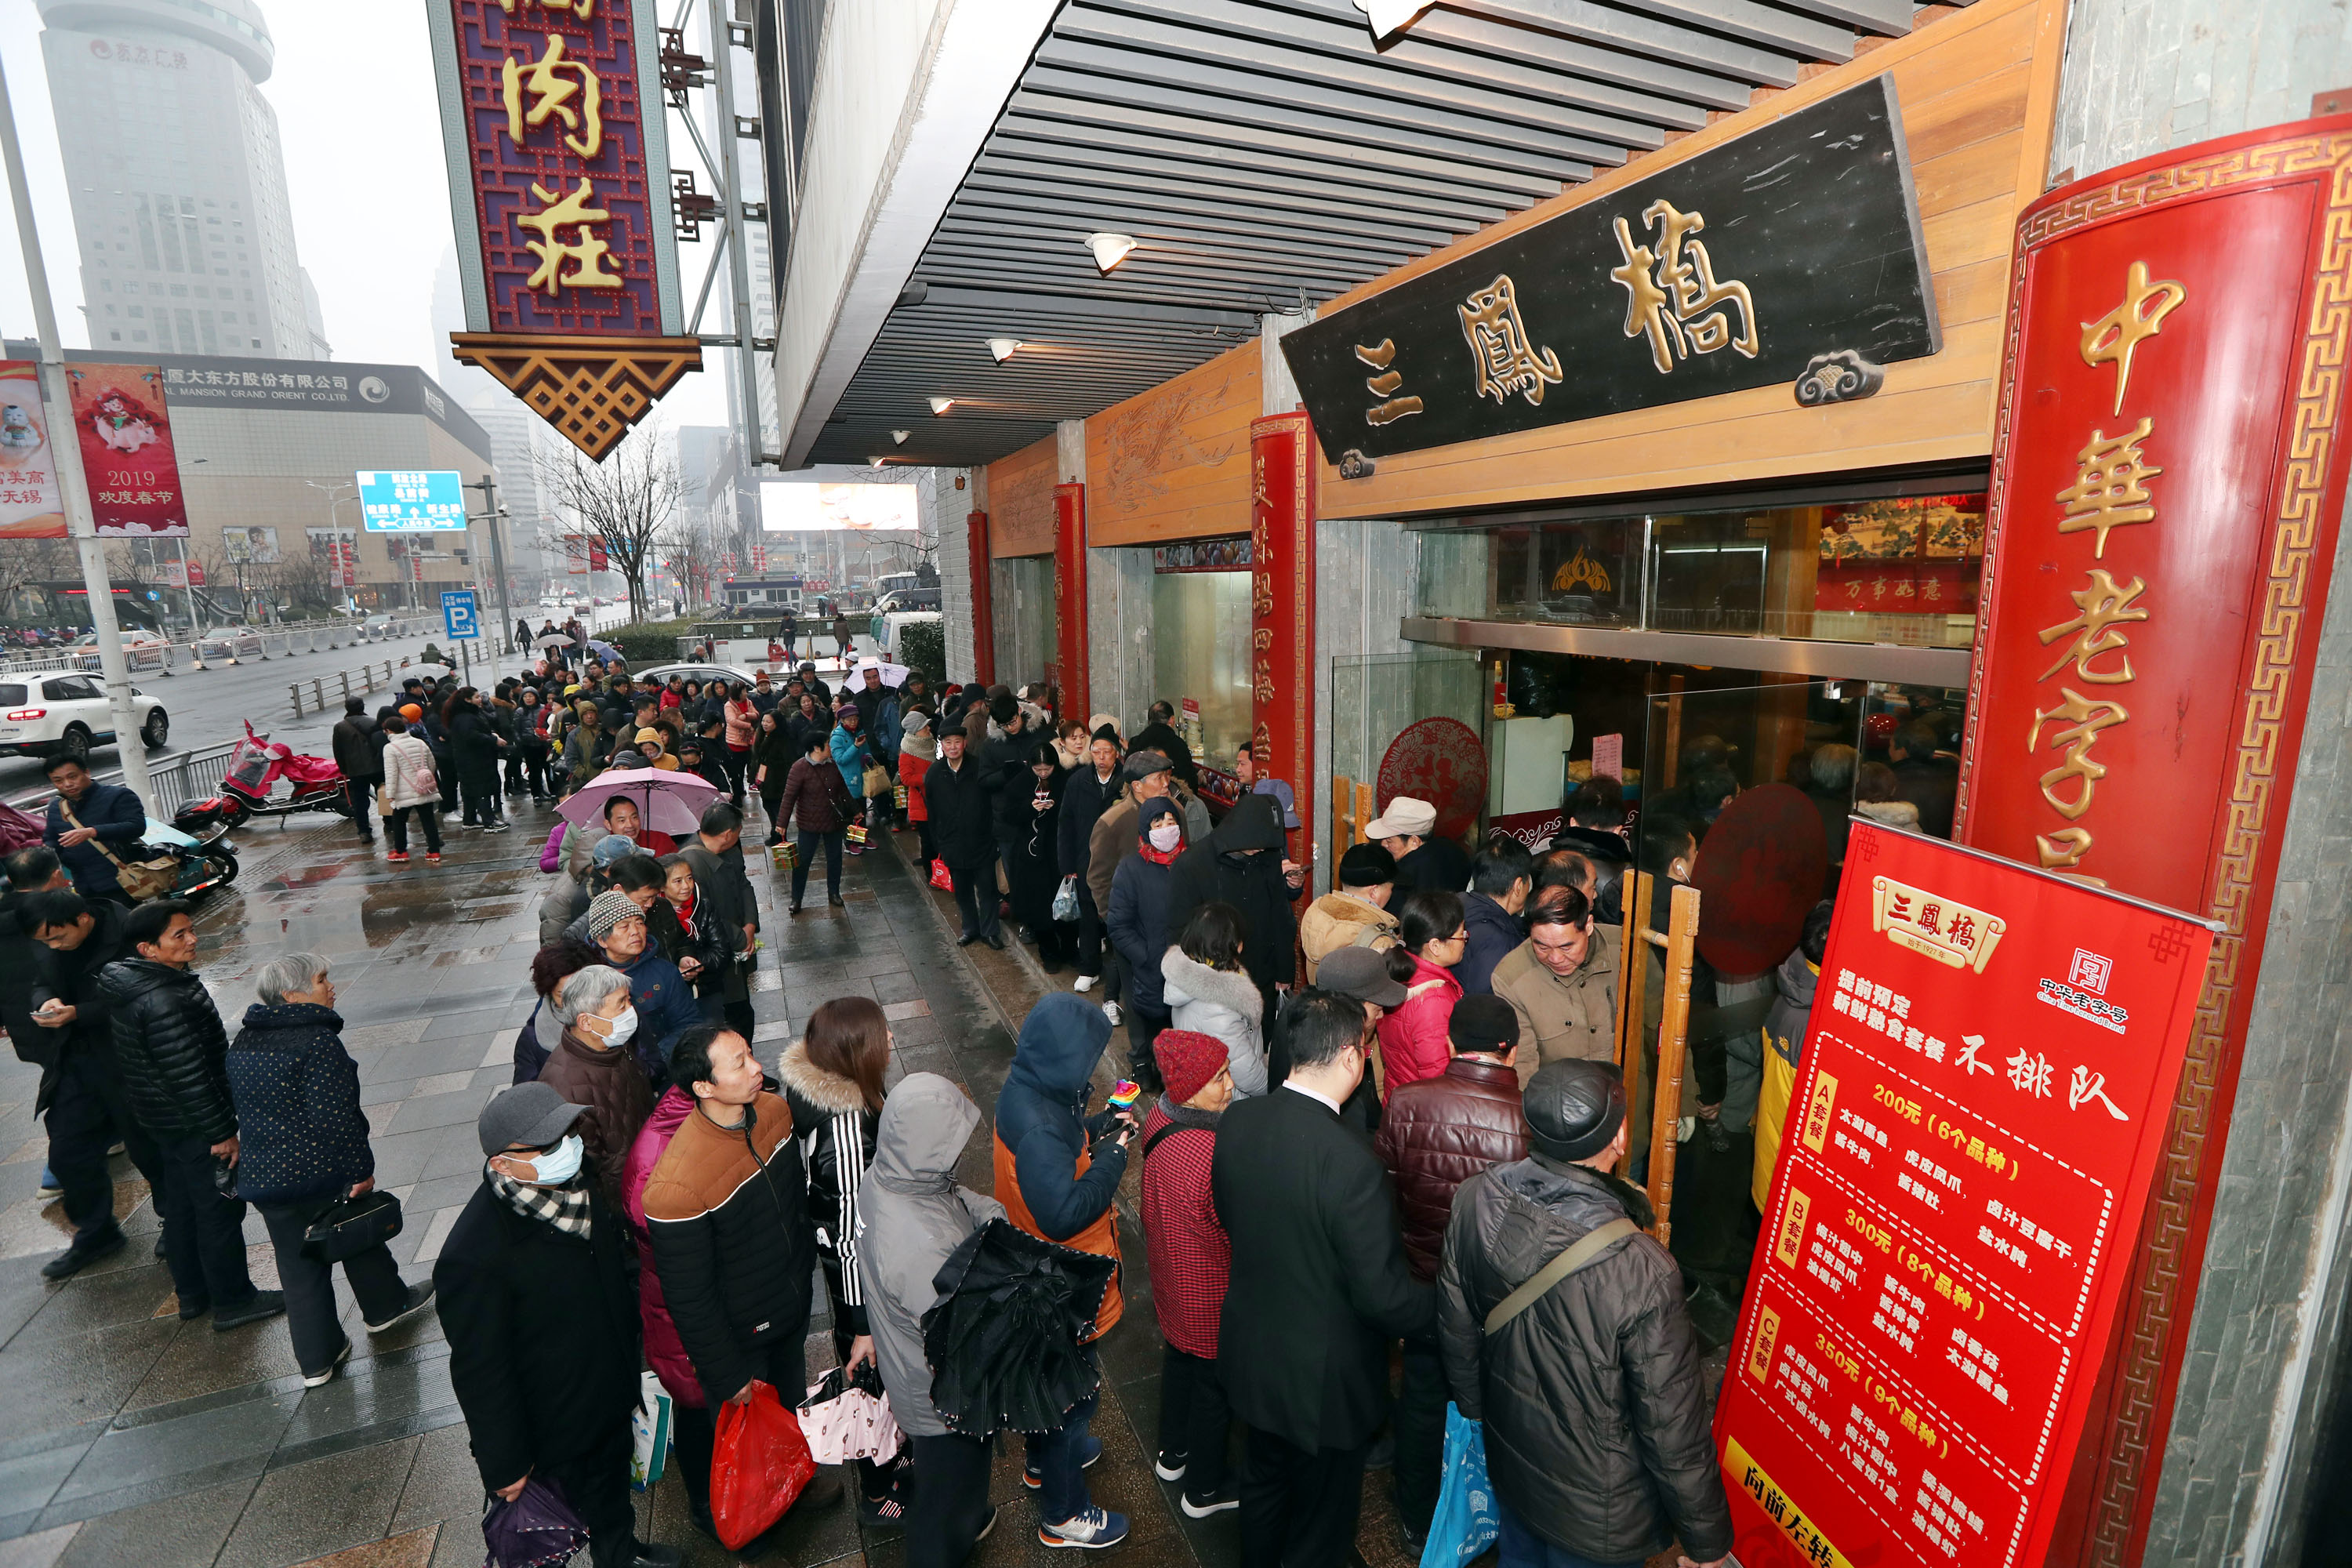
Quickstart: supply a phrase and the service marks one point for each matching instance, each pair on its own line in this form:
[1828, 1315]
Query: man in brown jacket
[1562, 983]
[1435, 1134]
[1354, 914]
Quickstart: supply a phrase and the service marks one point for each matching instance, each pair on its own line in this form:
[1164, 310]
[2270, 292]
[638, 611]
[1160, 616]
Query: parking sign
[458, 614]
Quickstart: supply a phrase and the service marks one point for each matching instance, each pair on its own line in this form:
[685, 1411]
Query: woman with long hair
[474, 746]
[1207, 991]
[833, 1081]
[773, 755]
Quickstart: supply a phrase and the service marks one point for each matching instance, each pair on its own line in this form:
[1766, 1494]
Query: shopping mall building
[1551, 384]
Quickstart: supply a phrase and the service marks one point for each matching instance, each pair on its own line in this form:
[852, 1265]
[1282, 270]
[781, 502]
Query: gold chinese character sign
[559, 193]
[1788, 257]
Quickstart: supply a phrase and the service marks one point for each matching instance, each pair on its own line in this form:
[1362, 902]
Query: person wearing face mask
[1319, 1286]
[665, 1006]
[727, 1211]
[536, 1298]
[591, 1065]
[1138, 927]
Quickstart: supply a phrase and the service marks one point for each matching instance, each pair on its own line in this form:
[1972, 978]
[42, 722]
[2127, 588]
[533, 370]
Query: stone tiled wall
[2264, 1352]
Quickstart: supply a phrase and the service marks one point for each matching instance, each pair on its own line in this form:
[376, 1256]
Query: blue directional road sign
[412, 501]
[458, 615]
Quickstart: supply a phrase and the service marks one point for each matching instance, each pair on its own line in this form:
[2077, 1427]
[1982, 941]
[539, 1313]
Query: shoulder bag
[348, 1226]
[1590, 1247]
[140, 879]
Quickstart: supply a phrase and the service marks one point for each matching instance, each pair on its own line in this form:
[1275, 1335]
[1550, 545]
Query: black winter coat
[73, 977]
[1217, 869]
[544, 1333]
[301, 1132]
[1083, 800]
[960, 814]
[473, 743]
[171, 1050]
[358, 749]
[1596, 1413]
[1319, 1285]
[836, 1133]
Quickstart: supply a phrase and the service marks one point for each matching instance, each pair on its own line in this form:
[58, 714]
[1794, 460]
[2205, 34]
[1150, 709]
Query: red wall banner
[2169, 470]
[1282, 609]
[1977, 1121]
[1070, 599]
[127, 451]
[983, 608]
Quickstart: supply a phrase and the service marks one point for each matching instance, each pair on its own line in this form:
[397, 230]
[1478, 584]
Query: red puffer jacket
[1414, 1037]
[1192, 1257]
[1438, 1133]
[664, 1349]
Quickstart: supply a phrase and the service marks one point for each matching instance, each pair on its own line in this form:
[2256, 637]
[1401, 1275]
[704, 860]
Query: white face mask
[618, 1031]
[554, 1167]
[1166, 836]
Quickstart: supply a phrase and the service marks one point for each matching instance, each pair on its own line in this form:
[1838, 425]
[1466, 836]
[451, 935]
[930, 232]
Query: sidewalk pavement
[132, 1438]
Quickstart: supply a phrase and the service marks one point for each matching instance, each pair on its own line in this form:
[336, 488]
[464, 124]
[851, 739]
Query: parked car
[69, 714]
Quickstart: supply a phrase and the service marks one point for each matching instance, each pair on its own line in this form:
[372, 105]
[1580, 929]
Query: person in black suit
[1319, 1286]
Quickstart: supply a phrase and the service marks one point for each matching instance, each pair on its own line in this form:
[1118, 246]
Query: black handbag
[351, 1225]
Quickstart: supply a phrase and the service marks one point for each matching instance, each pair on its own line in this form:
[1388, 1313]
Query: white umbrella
[554, 639]
[669, 802]
[430, 671]
[892, 674]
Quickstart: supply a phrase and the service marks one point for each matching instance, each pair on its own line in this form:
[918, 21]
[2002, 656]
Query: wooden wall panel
[1978, 89]
[1021, 501]
[1173, 462]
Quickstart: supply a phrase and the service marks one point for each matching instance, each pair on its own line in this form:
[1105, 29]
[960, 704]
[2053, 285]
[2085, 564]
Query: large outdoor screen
[787, 507]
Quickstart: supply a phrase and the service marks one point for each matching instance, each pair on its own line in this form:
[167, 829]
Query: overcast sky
[360, 122]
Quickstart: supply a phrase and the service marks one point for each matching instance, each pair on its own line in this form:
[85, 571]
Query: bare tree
[626, 502]
[693, 556]
[25, 562]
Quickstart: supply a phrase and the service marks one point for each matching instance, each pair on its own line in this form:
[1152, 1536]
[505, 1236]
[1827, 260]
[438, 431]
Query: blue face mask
[555, 1167]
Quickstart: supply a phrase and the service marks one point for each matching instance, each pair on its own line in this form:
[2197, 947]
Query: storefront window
[1899, 570]
[1201, 652]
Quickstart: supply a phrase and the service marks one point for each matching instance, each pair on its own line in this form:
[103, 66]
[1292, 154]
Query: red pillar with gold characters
[1282, 608]
[2168, 469]
[983, 609]
[1070, 599]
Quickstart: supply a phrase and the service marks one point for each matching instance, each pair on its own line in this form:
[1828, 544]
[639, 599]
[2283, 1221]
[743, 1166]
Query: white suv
[41, 713]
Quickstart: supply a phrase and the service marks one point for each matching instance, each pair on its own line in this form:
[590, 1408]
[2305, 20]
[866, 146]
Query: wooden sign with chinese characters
[2169, 470]
[559, 184]
[1741, 267]
[1978, 1118]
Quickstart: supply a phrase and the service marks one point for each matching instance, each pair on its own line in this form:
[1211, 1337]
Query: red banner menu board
[127, 451]
[1990, 1060]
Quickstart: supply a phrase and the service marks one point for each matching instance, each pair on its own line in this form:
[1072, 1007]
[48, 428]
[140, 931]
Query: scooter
[205, 864]
[254, 767]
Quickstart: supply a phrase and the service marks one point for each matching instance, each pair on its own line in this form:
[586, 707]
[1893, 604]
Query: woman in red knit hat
[1191, 1258]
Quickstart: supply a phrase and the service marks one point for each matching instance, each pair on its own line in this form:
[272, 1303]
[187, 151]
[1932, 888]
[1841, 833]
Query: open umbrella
[670, 802]
[892, 674]
[1007, 1340]
[603, 649]
[430, 671]
[552, 639]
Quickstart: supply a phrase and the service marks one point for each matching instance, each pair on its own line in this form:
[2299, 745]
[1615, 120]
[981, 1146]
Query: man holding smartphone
[81, 1090]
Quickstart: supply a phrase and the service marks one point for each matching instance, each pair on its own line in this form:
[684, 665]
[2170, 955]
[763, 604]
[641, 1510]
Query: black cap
[1573, 1108]
[1365, 865]
[1484, 1024]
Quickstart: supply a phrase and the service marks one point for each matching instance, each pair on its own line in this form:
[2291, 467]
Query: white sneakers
[1086, 982]
[1110, 1011]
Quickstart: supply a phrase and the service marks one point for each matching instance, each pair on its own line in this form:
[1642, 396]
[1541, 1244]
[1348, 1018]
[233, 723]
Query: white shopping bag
[649, 1427]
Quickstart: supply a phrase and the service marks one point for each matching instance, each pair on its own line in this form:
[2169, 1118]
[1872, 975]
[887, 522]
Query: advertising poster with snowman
[127, 451]
[30, 507]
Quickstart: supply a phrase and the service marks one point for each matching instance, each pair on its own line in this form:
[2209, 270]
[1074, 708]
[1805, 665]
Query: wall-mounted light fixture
[941, 405]
[1003, 349]
[1109, 249]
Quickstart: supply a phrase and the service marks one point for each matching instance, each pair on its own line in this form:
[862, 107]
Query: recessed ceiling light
[941, 405]
[898, 437]
[1391, 16]
[1109, 249]
[1004, 348]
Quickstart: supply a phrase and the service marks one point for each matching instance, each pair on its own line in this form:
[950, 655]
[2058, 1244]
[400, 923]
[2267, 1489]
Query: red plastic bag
[940, 877]
[759, 1464]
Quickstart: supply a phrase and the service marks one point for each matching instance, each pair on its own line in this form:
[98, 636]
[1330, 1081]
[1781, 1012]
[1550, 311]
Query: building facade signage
[560, 187]
[1739, 267]
[32, 503]
[2158, 544]
[127, 451]
[1978, 1122]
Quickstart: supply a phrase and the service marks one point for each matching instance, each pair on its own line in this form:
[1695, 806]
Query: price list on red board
[1990, 1055]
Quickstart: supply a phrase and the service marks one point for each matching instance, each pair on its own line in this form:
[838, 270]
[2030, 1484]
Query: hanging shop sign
[1792, 255]
[1282, 609]
[2168, 474]
[552, 122]
[1977, 1121]
[32, 506]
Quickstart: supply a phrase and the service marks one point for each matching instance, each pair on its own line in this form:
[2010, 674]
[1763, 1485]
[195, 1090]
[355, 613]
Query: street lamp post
[72, 483]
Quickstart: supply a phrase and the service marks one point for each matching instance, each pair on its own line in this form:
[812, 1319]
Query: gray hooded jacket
[911, 1214]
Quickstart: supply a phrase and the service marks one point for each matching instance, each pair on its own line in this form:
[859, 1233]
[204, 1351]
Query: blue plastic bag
[1466, 1522]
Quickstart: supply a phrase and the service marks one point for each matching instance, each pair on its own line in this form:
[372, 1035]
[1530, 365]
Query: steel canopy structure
[1266, 156]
